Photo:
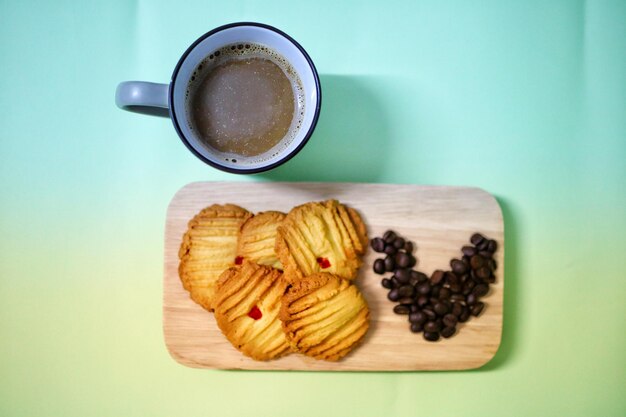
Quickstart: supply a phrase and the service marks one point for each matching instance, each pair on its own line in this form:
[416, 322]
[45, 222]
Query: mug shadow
[348, 142]
[510, 321]
[149, 110]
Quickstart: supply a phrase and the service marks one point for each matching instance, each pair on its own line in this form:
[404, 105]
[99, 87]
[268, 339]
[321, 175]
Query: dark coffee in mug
[246, 102]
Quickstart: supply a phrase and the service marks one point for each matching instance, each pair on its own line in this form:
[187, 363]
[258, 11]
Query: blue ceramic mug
[170, 100]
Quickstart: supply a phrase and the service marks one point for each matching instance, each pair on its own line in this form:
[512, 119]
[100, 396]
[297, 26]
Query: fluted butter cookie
[324, 316]
[321, 237]
[208, 248]
[258, 237]
[247, 304]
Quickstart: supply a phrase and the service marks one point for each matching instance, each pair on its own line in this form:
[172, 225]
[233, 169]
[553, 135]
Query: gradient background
[526, 99]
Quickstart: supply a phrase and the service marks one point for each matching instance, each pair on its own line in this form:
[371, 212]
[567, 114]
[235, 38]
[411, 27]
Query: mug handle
[143, 97]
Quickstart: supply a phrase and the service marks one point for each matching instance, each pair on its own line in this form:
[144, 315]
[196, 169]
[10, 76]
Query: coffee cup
[244, 98]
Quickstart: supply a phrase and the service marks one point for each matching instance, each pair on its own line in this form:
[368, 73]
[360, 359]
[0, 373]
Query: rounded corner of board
[479, 365]
[181, 360]
[492, 200]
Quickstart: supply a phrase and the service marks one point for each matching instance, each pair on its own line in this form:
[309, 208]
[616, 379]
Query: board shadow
[348, 144]
[510, 320]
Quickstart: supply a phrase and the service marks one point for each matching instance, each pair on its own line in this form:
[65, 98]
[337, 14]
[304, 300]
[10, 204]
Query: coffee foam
[246, 51]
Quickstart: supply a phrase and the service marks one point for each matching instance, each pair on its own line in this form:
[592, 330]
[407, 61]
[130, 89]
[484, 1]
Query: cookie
[247, 304]
[324, 316]
[321, 237]
[208, 248]
[257, 239]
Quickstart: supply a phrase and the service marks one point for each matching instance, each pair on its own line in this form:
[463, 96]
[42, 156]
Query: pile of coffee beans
[399, 253]
[437, 304]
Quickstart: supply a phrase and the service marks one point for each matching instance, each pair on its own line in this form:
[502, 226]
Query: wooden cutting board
[440, 220]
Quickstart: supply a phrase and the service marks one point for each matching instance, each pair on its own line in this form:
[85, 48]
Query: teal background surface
[526, 99]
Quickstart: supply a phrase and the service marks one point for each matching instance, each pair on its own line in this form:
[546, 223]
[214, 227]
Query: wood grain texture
[439, 220]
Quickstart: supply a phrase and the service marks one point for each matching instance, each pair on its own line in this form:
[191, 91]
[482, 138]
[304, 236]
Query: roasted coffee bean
[468, 286]
[414, 308]
[423, 288]
[432, 301]
[457, 309]
[445, 294]
[422, 276]
[458, 267]
[437, 277]
[477, 261]
[387, 283]
[470, 299]
[409, 247]
[451, 278]
[399, 243]
[434, 291]
[422, 300]
[379, 266]
[430, 314]
[390, 264]
[403, 260]
[440, 308]
[468, 251]
[483, 273]
[393, 295]
[455, 298]
[492, 246]
[477, 308]
[464, 316]
[406, 300]
[416, 327]
[389, 236]
[417, 277]
[412, 261]
[402, 275]
[390, 250]
[492, 264]
[378, 244]
[455, 288]
[402, 309]
[406, 291]
[395, 282]
[477, 279]
[431, 336]
[480, 290]
[448, 331]
[450, 320]
[432, 326]
[485, 254]
[417, 317]
[482, 245]
[491, 279]
[476, 239]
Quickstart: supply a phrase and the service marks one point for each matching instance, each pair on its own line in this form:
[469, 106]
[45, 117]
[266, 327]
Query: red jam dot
[323, 262]
[239, 260]
[255, 313]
